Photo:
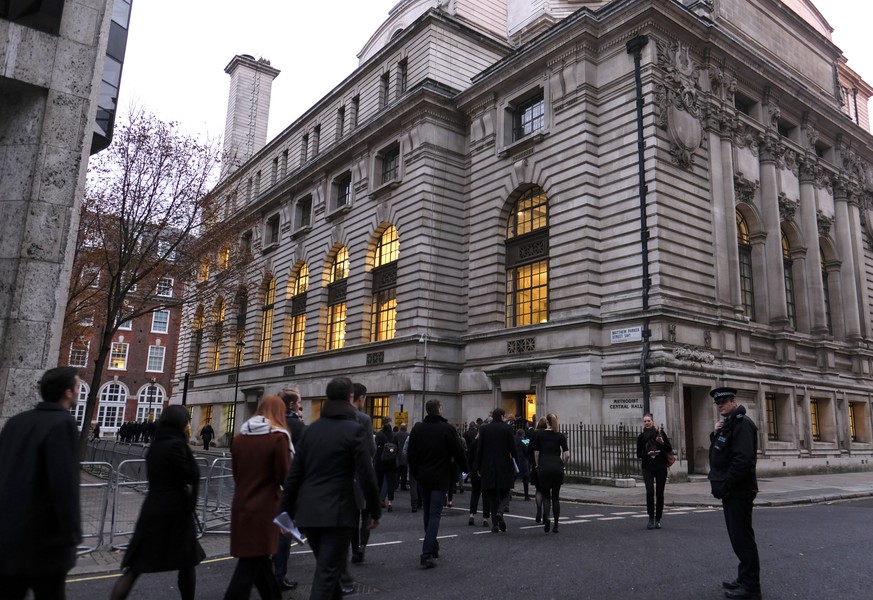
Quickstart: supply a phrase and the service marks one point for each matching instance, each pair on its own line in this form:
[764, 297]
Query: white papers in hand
[288, 527]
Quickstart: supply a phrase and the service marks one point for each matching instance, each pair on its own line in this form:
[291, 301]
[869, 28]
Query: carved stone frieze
[722, 84]
[787, 208]
[745, 137]
[771, 148]
[824, 223]
[692, 354]
[679, 101]
[745, 189]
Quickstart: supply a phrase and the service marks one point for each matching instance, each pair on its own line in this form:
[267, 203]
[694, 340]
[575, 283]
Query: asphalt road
[820, 551]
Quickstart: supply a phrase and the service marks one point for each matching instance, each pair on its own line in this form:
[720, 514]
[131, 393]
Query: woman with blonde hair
[261, 457]
[550, 454]
[534, 472]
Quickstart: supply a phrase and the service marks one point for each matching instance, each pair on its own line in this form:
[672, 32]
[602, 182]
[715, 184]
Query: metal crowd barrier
[216, 495]
[96, 480]
[131, 486]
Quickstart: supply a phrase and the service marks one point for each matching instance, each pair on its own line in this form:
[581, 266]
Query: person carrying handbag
[653, 448]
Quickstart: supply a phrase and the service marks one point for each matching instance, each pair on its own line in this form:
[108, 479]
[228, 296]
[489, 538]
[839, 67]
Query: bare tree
[146, 218]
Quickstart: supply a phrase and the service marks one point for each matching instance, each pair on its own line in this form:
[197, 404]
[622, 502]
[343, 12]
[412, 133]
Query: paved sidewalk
[775, 491]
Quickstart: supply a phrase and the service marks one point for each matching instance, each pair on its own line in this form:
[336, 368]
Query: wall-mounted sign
[629, 334]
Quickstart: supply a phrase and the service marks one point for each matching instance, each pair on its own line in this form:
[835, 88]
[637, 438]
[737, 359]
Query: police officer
[733, 453]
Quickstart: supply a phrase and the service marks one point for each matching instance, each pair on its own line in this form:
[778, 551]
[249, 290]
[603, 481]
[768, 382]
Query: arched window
[747, 287]
[218, 333]
[110, 412]
[198, 326]
[242, 314]
[297, 286]
[224, 258]
[336, 300]
[384, 316]
[527, 260]
[269, 289]
[78, 411]
[788, 270]
[827, 291]
[150, 402]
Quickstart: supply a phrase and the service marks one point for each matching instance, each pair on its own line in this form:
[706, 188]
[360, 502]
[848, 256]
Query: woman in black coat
[550, 454]
[653, 446]
[494, 462]
[165, 537]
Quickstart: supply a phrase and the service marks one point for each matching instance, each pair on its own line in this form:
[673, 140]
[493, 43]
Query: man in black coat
[331, 459]
[733, 455]
[494, 463]
[40, 521]
[294, 423]
[433, 446]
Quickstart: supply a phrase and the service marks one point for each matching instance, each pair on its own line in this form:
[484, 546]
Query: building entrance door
[697, 408]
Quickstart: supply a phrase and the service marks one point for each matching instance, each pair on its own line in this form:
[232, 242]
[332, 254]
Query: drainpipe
[635, 47]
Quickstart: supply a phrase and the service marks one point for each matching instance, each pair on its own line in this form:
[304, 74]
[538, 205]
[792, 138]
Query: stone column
[858, 264]
[729, 207]
[775, 279]
[48, 91]
[848, 280]
[812, 265]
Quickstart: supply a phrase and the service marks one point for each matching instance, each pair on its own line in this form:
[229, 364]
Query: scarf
[259, 425]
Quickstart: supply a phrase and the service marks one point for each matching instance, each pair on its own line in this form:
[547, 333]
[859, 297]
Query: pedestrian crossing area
[528, 522]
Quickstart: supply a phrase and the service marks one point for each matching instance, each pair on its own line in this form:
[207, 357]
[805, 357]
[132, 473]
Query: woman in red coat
[261, 458]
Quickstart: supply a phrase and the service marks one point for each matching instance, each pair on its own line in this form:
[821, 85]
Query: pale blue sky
[177, 51]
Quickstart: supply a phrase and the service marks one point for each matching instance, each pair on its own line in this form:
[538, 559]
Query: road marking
[640, 516]
[95, 578]
[610, 518]
[591, 515]
[574, 522]
[385, 543]
[481, 532]
[633, 512]
[439, 537]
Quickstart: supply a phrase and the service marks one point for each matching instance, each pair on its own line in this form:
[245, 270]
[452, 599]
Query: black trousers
[330, 545]
[249, 571]
[655, 481]
[738, 518]
[45, 587]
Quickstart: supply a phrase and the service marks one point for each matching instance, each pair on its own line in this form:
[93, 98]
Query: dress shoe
[286, 585]
[651, 524]
[390, 508]
[414, 509]
[428, 563]
[495, 528]
[501, 523]
[357, 556]
[547, 527]
[539, 514]
[555, 527]
[470, 521]
[484, 522]
[347, 588]
[742, 593]
[730, 585]
[657, 524]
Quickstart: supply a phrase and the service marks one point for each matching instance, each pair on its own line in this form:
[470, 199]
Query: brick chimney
[248, 109]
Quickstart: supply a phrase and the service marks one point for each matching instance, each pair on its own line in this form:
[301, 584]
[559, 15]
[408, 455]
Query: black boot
[651, 524]
[555, 526]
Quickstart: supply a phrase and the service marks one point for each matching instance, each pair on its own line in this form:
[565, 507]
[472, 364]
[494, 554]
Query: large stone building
[60, 66]
[588, 208]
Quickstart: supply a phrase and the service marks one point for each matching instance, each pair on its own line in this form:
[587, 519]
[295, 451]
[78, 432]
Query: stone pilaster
[775, 280]
[812, 264]
[848, 281]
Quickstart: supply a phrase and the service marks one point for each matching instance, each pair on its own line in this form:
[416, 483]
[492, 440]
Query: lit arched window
[336, 300]
[527, 260]
[203, 271]
[197, 342]
[297, 286]
[788, 270]
[384, 316]
[747, 287]
[827, 291]
[150, 403]
[224, 258]
[110, 412]
[269, 289]
[217, 333]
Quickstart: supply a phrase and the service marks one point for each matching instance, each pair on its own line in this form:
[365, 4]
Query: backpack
[389, 453]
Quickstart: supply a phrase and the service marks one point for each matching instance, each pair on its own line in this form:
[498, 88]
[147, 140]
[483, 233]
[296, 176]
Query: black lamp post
[240, 344]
